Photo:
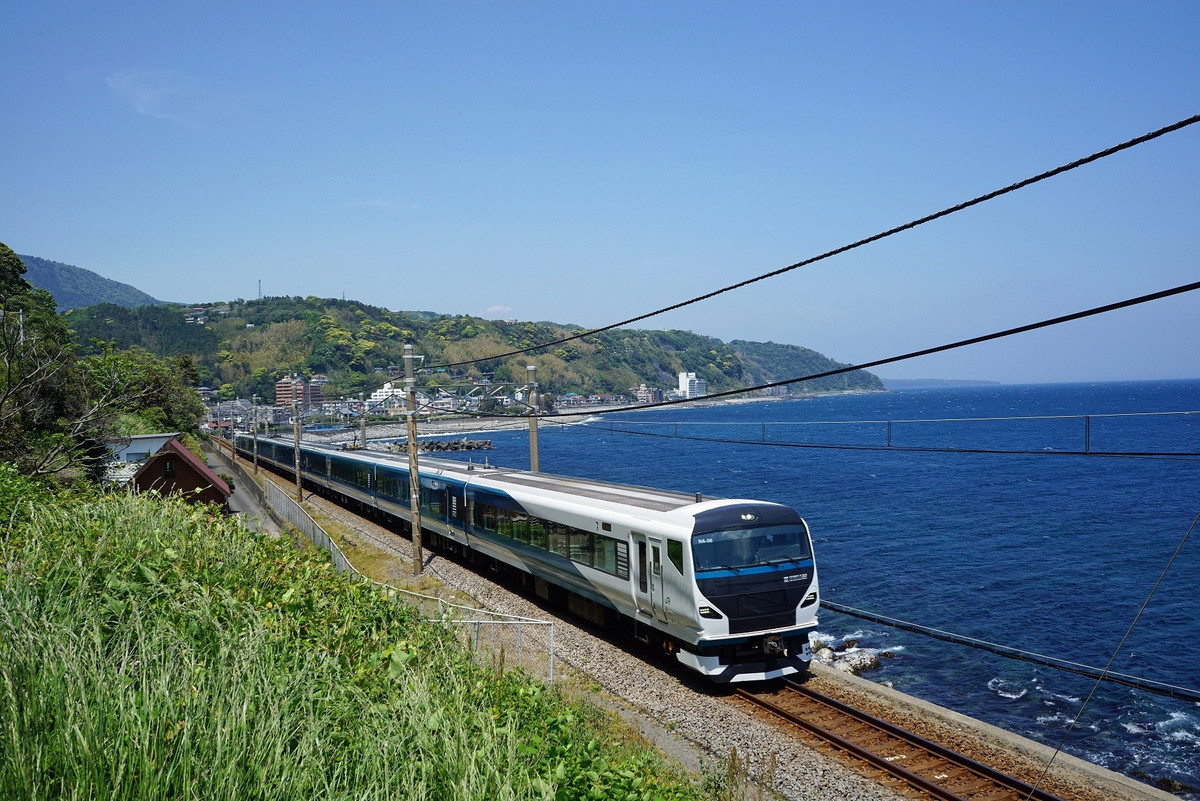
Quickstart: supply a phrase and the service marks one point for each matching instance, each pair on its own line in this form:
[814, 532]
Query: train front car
[756, 592]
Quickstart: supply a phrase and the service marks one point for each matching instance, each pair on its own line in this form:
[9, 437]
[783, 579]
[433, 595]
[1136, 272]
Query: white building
[692, 387]
[387, 392]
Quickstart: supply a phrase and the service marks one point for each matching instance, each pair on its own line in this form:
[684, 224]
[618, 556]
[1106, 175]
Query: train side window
[537, 533]
[520, 528]
[675, 554]
[581, 546]
[485, 516]
[504, 523]
[557, 538]
[387, 486]
[431, 503]
[606, 554]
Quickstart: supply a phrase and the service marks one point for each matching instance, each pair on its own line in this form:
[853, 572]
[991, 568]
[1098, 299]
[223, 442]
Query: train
[728, 587]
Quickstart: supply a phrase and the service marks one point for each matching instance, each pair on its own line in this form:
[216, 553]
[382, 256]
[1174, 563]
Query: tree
[156, 393]
[12, 274]
[39, 385]
[56, 411]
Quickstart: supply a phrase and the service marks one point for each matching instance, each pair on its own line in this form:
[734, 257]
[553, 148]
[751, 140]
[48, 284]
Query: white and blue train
[729, 587]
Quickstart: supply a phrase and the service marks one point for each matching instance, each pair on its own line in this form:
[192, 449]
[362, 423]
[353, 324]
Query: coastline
[574, 415]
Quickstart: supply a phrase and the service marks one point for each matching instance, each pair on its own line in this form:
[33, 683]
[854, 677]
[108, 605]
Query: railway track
[904, 761]
[793, 778]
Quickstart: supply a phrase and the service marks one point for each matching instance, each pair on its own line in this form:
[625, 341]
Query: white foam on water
[1006, 689]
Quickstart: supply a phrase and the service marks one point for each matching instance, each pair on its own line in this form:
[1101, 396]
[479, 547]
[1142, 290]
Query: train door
[456, 505]
[647, 588]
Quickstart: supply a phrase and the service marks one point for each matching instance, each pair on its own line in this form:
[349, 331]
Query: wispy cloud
[497, 313]
[172, 95]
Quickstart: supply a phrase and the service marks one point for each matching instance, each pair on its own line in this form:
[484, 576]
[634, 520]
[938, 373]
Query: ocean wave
[1053, 720]
[858, 634]
[1180, 727]
[1184, 737]
[1052, 698]
[1007, 689]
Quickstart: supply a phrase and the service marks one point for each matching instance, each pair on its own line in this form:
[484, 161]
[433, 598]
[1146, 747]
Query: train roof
[641, 497]
[625, 494]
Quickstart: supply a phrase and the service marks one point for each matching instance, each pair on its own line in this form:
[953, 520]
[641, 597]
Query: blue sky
[588, 162]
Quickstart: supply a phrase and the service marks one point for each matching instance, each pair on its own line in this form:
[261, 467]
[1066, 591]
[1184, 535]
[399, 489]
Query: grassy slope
[154, 650]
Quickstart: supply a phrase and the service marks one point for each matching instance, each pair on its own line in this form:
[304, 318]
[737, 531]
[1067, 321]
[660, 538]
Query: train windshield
[750, 547]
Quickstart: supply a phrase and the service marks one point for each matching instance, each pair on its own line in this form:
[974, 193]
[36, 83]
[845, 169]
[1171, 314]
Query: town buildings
[692, 387]
[294, 390]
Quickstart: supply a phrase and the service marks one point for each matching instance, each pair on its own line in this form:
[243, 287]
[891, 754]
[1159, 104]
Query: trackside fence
[506, 641]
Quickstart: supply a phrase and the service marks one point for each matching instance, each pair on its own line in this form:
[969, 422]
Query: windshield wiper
[779, 560]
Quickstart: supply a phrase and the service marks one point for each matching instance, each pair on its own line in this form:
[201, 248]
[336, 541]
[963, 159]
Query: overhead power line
[962, 343]
[1185, 456]
[845, 248]
[1105, 674]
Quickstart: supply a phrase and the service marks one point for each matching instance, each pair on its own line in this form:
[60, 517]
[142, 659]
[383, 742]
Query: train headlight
[710, 613]
[809, 600]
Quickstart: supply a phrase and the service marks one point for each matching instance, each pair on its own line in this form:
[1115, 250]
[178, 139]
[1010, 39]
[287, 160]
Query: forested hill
[243, 347]
[74, 287]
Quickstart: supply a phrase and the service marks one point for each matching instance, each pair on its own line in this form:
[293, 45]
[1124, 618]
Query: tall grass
[151, 650]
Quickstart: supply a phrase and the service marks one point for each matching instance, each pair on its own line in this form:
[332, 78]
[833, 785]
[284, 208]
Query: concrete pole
[296, 440]
[533, 423]
[362, 419]
[414, 478]
[233, 432]
[254, 405]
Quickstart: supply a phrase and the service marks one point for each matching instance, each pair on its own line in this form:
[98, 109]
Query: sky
[590, 162]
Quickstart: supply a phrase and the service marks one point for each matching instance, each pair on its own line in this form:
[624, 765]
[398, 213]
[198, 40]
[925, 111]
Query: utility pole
[533, 424]
[233, 430]
[254, 406]
[414, 478]
[296, 441]
[362, 419]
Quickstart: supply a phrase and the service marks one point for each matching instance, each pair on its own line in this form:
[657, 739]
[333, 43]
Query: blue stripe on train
[750, 571]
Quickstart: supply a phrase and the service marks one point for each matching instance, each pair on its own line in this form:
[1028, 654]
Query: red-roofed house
[175, 470]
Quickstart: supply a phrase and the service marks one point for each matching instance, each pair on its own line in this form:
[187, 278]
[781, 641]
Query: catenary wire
[837, 251]
[1185, 456]
[1107, 668]
[853, 245]
[1149, 685]
[962, 343]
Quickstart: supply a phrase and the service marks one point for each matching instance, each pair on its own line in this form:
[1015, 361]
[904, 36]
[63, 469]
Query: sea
[1054, 519]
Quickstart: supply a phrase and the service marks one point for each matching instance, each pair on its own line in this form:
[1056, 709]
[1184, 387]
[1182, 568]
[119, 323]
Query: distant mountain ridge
[74, 287]
[244, 347]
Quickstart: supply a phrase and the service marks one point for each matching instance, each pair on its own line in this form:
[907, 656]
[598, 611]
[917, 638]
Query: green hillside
[245, 346]
[74, 287]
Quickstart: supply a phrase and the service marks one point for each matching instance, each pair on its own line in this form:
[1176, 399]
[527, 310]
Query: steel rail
[996, 779]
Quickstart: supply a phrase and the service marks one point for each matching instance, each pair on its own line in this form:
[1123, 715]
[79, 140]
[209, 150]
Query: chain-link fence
[507, 641]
